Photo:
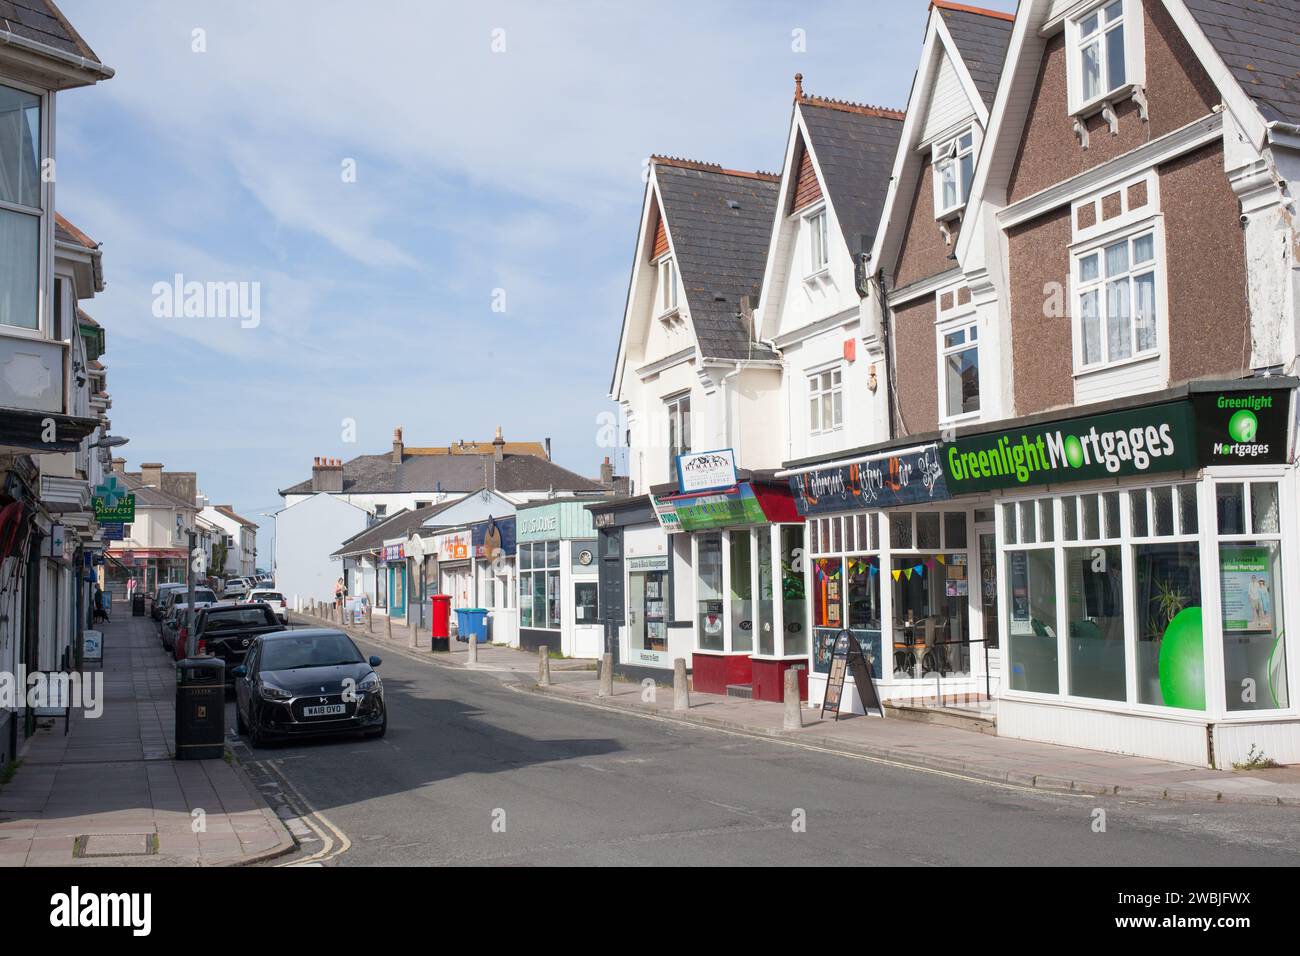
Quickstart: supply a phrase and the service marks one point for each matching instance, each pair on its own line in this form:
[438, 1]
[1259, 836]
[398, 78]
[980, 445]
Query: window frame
[666, 301]
[816, 224]
[1130, 20]
[815, 393]
[673, 409]
[967, 322]
[950, 151]
[1157, 266]
[44, 219]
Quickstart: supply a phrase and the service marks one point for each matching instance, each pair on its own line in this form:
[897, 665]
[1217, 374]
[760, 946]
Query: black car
[228, 631]
[306, 682]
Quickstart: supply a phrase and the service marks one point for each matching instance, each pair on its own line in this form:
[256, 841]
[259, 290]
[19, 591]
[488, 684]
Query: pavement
[908, 742]
[109, 793]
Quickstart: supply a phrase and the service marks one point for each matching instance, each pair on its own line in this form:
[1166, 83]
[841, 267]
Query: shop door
[988, 596]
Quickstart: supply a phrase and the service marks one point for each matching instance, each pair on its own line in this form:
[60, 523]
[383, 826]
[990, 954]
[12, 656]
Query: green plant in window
[1168, 600]
[791, 582]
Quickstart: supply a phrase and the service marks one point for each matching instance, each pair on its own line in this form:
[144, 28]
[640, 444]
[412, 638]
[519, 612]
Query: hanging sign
[113, 530]
[1243, 427]
[884, 482]
[706, 471]
[847, 658]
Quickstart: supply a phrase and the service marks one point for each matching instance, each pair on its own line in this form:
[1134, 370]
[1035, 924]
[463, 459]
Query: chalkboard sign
[849, 658]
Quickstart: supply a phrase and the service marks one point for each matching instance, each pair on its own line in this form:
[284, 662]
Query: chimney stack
[151, 474]
[119, 465]
[398, 447]
[607, 473]
[499, 446]
[548, 449]
[327, 476]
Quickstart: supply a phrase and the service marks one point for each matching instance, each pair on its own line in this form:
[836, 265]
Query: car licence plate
[325, 710]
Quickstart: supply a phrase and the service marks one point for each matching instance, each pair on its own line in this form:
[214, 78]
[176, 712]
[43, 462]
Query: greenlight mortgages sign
[1137, 441]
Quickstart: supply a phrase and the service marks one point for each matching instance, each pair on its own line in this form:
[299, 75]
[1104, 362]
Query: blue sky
[475, 171]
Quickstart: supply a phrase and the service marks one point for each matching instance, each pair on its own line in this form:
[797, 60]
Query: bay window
[1115, 295]
[21, 208]
[1104, 49]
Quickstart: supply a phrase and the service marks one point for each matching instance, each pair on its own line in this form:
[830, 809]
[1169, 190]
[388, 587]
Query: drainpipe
[887, 341]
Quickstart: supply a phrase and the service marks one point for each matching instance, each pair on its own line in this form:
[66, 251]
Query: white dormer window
[667, 296]
[1105, 53]
[818, 254]
[954, 168]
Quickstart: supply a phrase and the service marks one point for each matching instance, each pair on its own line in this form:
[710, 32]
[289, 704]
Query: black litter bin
[137, 605]
[200, 708]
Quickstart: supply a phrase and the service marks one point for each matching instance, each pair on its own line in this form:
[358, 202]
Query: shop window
[708, 578]
[766, 592]
[863, 592]
[1116, 296]
[825, 401]
[900, 530]
[828, 593]
[927, 530]
[1170, 658]
[742, 590]
[931, 608]
[1095, 587]
[1031, 625]
[959, 364]
[539, 585]
[647, 610]
[794, 605]
[1250, 598]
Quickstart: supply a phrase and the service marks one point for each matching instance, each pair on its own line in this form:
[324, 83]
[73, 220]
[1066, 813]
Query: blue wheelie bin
[472, 622]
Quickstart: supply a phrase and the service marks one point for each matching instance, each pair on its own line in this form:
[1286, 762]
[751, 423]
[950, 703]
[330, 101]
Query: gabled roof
[981, 37]
[147, 496]
[376, 474]
[229, 512]
[42, 22]
[853, 146]
[1257, 41]
[65, 231]
[718, 223]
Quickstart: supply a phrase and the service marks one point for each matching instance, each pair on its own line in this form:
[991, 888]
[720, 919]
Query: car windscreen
[203, 594]
[236, 617]
[308, 650]
[268, 595]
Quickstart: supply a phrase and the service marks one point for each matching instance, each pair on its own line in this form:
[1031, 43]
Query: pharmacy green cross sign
[113, 502]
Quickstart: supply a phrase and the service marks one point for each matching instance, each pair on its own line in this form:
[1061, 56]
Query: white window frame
[969, 322]
[816, 221]
[665, 285]
[673, 409]
[1152, 225]
[1130, 20]
[951, 152]
[819, 395]
[44, 217]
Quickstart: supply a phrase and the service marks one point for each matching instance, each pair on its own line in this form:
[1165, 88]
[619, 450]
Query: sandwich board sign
[848, 657]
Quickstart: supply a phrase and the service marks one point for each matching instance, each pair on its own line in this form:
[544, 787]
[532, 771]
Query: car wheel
[376, 734]
[255, 736]
[240, 726]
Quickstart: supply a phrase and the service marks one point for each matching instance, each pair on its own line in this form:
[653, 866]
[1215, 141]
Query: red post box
[440, 623]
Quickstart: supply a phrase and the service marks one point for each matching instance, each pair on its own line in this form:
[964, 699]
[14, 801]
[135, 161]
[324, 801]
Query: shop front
[495, 552]
[558, 572]
[455, 551]
[395, 561]
[1142, 557]
[910, 572]
[745, 544]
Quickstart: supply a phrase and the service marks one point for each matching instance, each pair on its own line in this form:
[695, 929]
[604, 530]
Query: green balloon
[1182, 661]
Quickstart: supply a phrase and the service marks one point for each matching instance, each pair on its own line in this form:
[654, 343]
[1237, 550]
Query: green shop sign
[112, 502]
[1137, 441]
[723, 510]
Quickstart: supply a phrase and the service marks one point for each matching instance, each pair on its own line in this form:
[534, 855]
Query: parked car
[235, 589]
[273, 598]
[156, 601]
[228, 630]
[307, 682]
[174, 625]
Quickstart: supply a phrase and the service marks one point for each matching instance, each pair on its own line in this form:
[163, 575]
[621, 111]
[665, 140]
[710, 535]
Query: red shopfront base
[711, 673]
[769, 677]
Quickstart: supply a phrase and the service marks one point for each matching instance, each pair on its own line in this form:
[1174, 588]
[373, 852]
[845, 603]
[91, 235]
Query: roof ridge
[965, 8]
[702, 166]
[846, 106]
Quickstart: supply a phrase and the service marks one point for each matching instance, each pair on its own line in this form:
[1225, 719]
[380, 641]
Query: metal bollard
[413, 634]
[543, 665]
[793, 716]
[681, 694]
[606, 676]
[370, 618]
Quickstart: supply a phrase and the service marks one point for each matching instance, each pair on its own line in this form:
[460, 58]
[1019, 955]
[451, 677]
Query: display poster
[1246, 576]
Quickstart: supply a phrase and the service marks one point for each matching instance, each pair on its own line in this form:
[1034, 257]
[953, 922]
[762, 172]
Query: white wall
[306, 534]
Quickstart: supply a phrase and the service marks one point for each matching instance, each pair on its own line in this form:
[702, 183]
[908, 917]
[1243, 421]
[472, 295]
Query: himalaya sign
[1137, 441]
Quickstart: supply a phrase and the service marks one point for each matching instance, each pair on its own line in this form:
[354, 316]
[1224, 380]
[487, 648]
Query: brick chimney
[327, 476]
[151, 474]
[499, 446]
[119, 465]
[607, 473]
[398, 447]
